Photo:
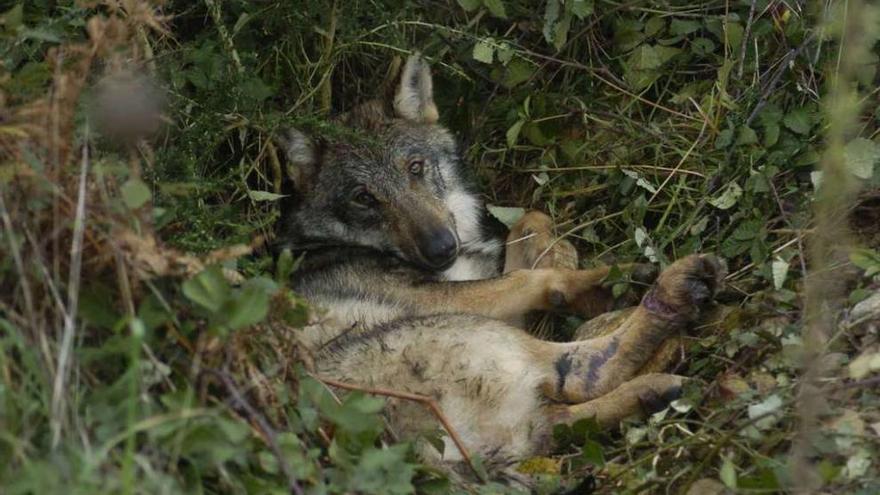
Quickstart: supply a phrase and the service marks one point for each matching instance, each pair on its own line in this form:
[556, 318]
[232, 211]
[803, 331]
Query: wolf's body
[421, 295]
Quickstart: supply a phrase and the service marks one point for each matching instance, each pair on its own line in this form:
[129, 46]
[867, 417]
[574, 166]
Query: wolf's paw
[685, 287]
[532, 243]
[659, 391]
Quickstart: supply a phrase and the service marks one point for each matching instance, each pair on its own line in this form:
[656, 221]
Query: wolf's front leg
[517, 293]
[589, 369]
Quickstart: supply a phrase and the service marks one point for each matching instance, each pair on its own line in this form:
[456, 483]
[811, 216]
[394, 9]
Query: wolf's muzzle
[440, 248]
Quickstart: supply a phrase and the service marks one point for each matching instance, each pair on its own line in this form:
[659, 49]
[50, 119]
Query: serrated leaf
[799, 121]
[135, 193]
[518, 71]
[728, 198]
[265, 196]
[484, 52]
[861, 157]
[208, 289]
[640, 181]
[496, 7]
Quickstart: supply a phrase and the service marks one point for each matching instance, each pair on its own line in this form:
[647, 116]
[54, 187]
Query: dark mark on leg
[563, 368]
[599, 360]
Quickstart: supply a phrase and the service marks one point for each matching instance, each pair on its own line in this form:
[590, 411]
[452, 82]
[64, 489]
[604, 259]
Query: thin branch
[771, 86]
[425, 400]
[262, 423]
[745, 40]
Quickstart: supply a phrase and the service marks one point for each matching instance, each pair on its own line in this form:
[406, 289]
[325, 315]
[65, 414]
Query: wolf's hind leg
[640, 396]
[664, 357]
[532, 243]
[589, 369]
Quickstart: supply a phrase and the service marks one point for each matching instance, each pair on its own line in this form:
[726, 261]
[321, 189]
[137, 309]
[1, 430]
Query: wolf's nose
[441, 248]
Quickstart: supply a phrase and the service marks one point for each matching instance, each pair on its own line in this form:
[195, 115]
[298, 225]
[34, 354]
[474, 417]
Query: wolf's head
[398, 190]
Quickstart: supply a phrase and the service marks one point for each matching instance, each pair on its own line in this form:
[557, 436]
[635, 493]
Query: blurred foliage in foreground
[648, 129]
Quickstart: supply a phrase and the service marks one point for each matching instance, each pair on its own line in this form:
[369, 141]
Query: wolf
[424, 292]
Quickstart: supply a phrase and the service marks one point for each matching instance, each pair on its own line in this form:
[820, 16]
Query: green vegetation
[649, 130]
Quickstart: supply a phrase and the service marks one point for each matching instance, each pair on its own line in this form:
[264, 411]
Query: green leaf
[484, 51]
[733, 33]
[861, 157]
[508, 215]
[551, 15]
[642, 64]
[771, 135]
[654, 26]
[496, 7]
[135, 193]
[13, 18]
[728, 198]
[265, 196]
[764, 409]
[724, 139]
[208, 289]
[779, 268]
[284, 266]
[470, 5]
[580, 8]
[255, 89]
[249, 308]
[651, 57]
[866, 259]
[513, 133]
[728, 473]
[682, 27]
[746, 136]
[383, 471]
[592, 453]
[518, 71]
[799, 121]
[702, 46]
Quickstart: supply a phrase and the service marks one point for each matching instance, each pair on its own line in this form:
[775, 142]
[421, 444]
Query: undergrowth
[146, 340]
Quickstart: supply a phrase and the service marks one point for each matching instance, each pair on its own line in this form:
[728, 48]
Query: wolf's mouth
[442, 265]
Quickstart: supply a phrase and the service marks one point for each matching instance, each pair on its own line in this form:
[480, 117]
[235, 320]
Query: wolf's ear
[414, 99]
[302, 156]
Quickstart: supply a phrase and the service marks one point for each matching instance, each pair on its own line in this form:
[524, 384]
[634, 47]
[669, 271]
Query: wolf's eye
[417, 167]
[363, 198]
